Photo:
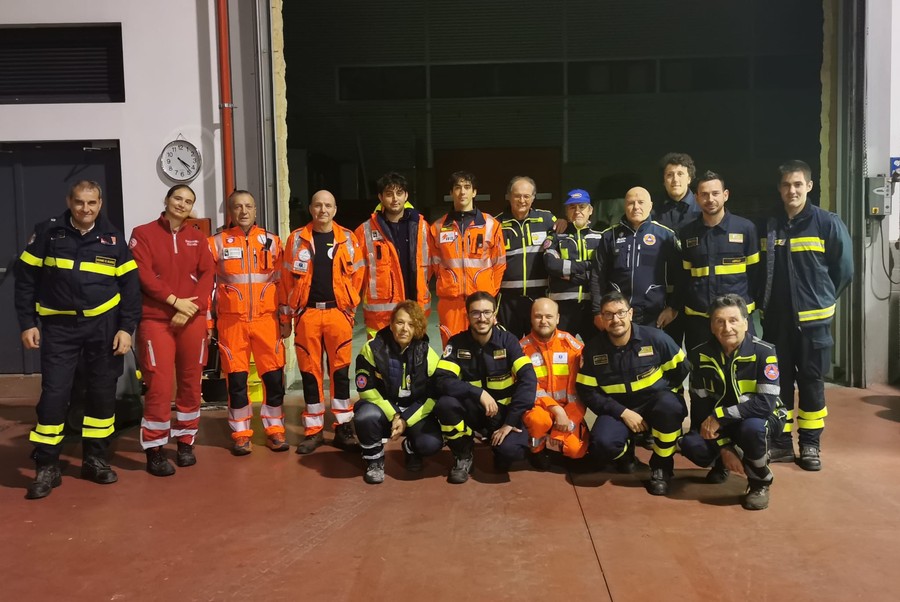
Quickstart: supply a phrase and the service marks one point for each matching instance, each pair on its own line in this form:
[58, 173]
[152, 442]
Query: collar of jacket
[507, 216]
[237, 231]
[624, 222]
[409, 214]
[804, 214]
[725, 224]
[638, 334]
[572, 230]
[543, 345]
[746, 348]
[339, 236]
[476, 215]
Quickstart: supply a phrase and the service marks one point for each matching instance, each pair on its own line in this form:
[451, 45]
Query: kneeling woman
[393, 372]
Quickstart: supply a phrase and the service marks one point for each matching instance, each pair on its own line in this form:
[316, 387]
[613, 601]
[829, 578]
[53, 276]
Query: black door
[34, 180]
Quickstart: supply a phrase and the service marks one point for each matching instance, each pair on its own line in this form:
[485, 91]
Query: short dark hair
[480, 296]
[237, 192]
[178, 187]
[795, 165]
[463, 176]
[614, 297]
[515, 179]
[678, 159]
[709, 176]
[392, 179]
[730, 300]
[85, 185]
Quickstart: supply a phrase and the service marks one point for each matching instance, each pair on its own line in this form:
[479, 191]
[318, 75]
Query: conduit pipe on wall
[226, 106]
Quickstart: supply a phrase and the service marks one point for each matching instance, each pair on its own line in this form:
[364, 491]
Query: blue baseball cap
[578, 196]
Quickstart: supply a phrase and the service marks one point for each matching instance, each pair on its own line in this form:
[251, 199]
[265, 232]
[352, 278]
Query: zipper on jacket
[249, 277]
[175, 242]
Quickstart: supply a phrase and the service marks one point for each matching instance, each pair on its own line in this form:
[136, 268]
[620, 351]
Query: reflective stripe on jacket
[556, 365]
[469, 261]
[525, 271]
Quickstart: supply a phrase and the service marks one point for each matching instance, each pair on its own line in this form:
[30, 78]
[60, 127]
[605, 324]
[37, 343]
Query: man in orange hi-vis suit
[467, 253]
[557, 420]
[247, 302]
[321, 275]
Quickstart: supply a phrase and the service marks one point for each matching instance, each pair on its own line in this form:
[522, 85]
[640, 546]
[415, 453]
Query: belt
[322, 305]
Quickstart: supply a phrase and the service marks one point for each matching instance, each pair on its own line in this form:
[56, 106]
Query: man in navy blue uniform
[77, 280]
[486, 384]
[680, 207]
[627, 377]
[525, 279]
[720, 255]
[808, 260]
[642, 260]
[734, 389]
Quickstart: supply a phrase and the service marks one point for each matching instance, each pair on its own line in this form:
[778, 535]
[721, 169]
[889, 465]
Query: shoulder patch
[132, 243]
[448, 351]
[771, 371]
[361, 381]
[547, 242]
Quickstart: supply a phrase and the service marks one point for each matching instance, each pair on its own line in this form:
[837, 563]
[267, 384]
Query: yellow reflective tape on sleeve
[648, 381]
[433, 359]
[694, 312]
[424, 410]
[505, 401]
[801, 415]
[97, 268]
[720, 412]
[449, 367]
[99, 422]
[31, 259]
[586, 379]
[384, 405]
[816, 314]
[771, 359]
[58, 262]
[723, 441]
[126, 267]
[686, 264]
[368, 354]
[522, 361]
[665, 437]
[737, 268]
[676, 359]
[751, 259]
[370, 395]
[97, 433]
[46, 311]
[104, 307]
[612, 388]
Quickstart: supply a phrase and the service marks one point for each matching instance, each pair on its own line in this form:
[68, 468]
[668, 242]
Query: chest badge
[447, 237]
[499, 354]
[736, 237]
[691, 242]
[649, 240]
[601, 360]
[645, 351]
[464, 354]
[304, 255]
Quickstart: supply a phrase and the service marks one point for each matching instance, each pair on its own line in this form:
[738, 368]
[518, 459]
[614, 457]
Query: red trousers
[452, 317]
[237, 339]
[158, 344]
[331, 330]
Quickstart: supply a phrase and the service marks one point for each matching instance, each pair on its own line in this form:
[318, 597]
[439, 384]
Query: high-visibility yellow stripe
[816, 314]
[723, 441]
[423, 411]
[45, 439]
[751, 259]
[59, 262]
[694, 312]
[98, 422]
[663, 452]
[810, 424]
[46, 311]
[676, 359]
[126, 267]
[31, 259]
[97, 268]
[505, 401]
[771, 359]
[700, 272]
[456, 431]
[665, 437]
[746, 386]
[500, 384]
[735, 268]
[560, 369]
[95, 433]
[519, 363]
[808, 243]
[449, 367]
[540, 371]
[49, 429]
[585, 379]
[369, 395]
[612, 388]
[648, 381]
[812, 415]
[105, 307]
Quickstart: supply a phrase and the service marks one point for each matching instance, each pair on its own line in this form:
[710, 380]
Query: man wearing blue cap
[568, 260]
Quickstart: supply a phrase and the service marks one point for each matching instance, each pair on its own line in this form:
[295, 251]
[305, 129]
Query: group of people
[515, 293]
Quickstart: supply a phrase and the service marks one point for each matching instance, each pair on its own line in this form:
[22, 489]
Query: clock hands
[184, 163]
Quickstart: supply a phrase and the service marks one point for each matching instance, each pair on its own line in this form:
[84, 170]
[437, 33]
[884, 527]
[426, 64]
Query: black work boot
[459, 472]
[757, 497]
[539, 460]
[374, 472]
[411, 459]
[46, 478]
[659, 481]
[310, 443]
[781, 454]
[185, 454]
[626, 463]
[97, 469]
[809, 458]
[344, 437]
[157, 464]
[718, 473]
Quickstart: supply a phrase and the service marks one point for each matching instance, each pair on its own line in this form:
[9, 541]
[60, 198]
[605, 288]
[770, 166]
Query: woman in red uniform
[176, 271]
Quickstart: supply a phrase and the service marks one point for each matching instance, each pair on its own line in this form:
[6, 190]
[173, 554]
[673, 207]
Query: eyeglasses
[609, 315]
[481, 313]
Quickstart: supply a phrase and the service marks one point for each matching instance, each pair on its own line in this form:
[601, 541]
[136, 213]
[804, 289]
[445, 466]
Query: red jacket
[171, 263]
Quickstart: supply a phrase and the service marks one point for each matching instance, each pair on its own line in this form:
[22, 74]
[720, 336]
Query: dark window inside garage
[577, 93]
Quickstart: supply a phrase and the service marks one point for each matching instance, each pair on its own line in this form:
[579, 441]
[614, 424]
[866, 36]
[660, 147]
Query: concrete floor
[271, 526]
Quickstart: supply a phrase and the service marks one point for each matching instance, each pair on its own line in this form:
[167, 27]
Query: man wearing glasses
[486, 384]
[627, 377]
[524, 231]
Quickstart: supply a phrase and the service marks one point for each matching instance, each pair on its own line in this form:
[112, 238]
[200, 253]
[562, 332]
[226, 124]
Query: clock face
[180, 161]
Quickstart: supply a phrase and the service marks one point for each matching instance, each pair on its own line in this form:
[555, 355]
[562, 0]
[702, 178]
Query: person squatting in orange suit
[467, 253]
[557, 420]
[247, 303]
[322, 275]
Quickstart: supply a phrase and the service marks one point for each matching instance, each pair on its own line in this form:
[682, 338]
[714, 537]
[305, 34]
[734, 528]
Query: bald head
[544, 318]
[322, 208]
[637, 206]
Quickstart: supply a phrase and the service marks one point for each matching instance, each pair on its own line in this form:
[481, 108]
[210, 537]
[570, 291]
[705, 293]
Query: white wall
[171, 88]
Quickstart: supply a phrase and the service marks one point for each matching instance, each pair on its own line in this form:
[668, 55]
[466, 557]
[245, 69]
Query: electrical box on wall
[878, 196]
